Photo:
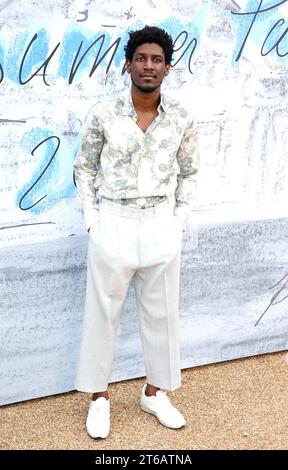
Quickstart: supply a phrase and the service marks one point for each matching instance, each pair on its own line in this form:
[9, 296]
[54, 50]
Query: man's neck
[145, 102]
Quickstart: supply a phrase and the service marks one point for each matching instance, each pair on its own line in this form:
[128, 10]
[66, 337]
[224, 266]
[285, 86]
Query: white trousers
[143, 244]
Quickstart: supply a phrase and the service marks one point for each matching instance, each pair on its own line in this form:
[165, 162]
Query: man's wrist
[93, 219]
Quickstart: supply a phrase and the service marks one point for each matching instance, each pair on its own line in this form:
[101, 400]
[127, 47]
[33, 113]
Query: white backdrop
[230, 65]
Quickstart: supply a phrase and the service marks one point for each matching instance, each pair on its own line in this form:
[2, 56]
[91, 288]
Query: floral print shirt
[120, 161]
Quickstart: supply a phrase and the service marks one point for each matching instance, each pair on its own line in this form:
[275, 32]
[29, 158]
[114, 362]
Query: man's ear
[167, 69]
[128, 66]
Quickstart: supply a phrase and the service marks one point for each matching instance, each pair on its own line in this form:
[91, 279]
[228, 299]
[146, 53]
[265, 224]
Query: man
[139, 151]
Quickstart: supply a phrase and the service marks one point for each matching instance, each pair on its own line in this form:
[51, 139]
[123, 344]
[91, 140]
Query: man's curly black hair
[149, 34]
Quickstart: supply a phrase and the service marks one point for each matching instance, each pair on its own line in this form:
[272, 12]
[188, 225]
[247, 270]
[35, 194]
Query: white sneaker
[159, 405]
[98, 419]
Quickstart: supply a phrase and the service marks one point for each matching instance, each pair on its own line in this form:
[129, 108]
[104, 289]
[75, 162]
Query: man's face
[147, 67]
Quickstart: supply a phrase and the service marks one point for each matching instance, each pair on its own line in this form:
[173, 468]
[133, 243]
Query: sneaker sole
[160, 421]
[98, 437]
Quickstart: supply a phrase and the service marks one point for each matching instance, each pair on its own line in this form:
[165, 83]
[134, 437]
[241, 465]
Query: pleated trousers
[143, 246]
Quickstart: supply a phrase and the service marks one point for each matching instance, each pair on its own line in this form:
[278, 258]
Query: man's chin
[146, 89]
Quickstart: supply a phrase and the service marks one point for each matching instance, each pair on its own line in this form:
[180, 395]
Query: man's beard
[145, 89]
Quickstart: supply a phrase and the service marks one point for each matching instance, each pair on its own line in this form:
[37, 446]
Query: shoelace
[100, 410]
[165, 402]
[163, 396]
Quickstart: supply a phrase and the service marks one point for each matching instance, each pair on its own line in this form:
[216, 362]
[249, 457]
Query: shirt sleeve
[188, 161]
[86, 166]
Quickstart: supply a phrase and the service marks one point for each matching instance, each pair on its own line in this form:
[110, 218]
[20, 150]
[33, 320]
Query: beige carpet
[238, 404]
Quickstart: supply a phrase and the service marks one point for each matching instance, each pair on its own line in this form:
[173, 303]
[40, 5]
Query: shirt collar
[128, 106]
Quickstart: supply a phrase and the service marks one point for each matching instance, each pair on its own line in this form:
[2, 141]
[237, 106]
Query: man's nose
[149, 64]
